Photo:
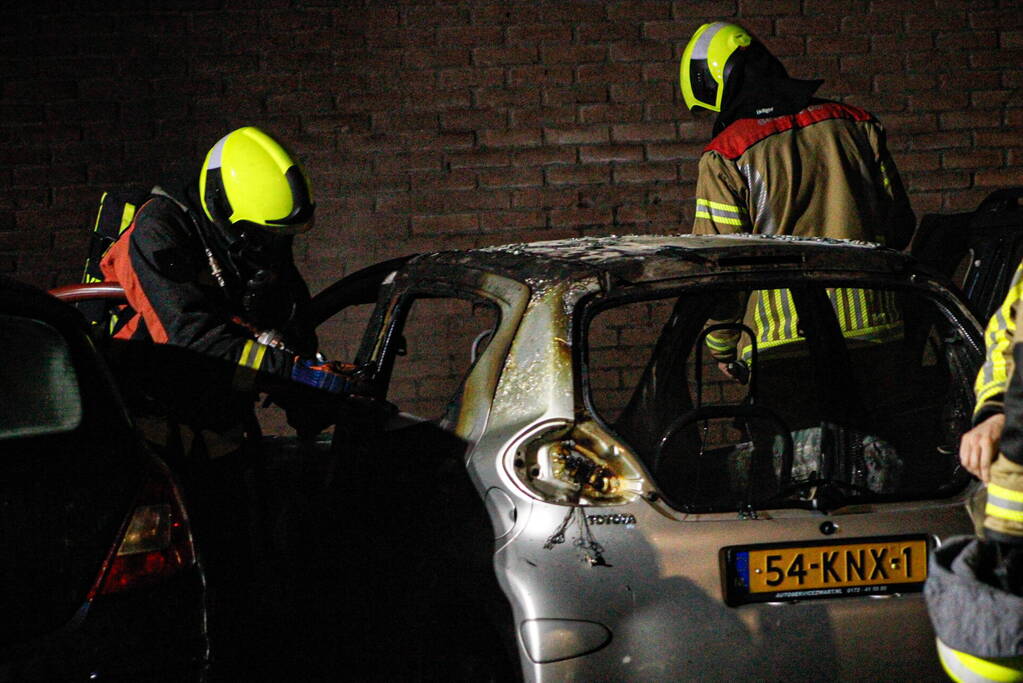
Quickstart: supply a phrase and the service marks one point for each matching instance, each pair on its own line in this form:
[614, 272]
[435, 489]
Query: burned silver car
[656, 514]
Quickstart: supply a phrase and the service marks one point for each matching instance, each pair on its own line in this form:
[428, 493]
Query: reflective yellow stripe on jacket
[1004, 503]
[993, 378]
[868, 314]
[722, 342]
[720, 212]
[863, 314]
[249, 362]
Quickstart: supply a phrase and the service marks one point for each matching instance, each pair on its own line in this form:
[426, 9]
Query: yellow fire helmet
[248, 179]
[707, 62]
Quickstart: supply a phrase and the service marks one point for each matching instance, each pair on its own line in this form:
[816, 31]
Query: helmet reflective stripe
[216, 153]
[964, 668]
[702, 44]
[705, 63]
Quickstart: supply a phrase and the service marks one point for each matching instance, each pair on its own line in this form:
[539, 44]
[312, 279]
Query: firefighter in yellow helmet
[210, 280]
[784, 162]
[213, 317]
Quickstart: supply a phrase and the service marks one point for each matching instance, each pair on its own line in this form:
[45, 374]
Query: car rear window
[808, 396]
[39, 392]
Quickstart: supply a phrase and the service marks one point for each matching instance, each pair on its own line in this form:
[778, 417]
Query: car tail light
[155, 541]
[576, 464]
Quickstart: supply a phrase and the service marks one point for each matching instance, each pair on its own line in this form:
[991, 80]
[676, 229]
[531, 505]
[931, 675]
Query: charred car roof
[633, 259]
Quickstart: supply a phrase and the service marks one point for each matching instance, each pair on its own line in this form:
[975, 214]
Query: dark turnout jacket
[188, 345]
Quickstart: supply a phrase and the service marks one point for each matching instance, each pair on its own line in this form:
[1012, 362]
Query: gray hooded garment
[968, 614]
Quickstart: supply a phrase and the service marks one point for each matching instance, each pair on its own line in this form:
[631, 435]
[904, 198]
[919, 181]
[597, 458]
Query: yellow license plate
[823, 569]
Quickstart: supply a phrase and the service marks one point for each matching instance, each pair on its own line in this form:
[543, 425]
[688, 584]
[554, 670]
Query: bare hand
[979, 446]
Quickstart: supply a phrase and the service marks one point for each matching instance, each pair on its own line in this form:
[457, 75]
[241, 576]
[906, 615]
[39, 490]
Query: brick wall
[430, 124]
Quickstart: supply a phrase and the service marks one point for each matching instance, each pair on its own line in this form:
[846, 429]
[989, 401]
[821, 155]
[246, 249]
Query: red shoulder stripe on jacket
[733, 141]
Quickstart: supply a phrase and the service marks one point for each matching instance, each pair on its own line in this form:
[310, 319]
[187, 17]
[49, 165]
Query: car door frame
[991, 236]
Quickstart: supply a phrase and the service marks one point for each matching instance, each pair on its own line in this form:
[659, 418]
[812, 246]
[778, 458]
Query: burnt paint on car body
[635, 259]
[656, 584]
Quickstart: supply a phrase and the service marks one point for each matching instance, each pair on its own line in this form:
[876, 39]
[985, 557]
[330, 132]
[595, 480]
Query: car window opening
[812, 396]
[442, 340]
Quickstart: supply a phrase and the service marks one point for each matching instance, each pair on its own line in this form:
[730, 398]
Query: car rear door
[433, 345]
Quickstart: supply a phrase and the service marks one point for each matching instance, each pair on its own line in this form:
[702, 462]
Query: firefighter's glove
[329, 376]
[737, 370]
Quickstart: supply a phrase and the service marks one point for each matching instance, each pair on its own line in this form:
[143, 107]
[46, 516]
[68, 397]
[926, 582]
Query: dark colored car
[100, 576]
